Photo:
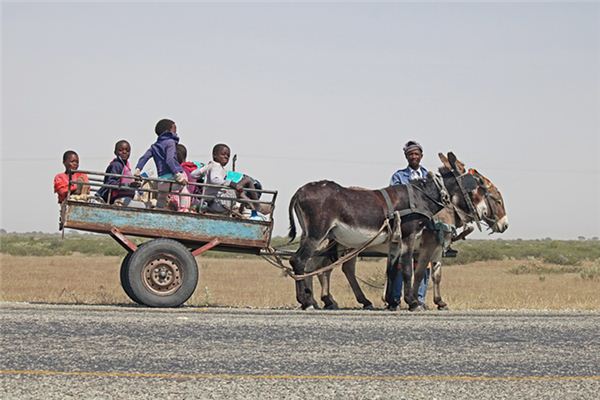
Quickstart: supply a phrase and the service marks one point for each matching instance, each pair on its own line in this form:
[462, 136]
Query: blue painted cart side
[233, 233]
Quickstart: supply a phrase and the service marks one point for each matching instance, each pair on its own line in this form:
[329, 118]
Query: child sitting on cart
[217, 175]
[188, 168]
[61, 180]
[120, 166]
[185, 203]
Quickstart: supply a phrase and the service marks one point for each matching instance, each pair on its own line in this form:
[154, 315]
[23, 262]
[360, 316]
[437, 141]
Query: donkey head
[483, 194]
[495, 217]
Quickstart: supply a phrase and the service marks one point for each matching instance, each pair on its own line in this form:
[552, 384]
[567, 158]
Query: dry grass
[254, 283]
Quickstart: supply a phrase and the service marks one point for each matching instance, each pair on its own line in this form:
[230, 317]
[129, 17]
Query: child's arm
[142, 161]
[61, 185]
[198, 172]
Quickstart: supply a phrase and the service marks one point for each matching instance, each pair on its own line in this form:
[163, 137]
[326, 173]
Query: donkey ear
[445, 161]
[486, 182]
[456, 163]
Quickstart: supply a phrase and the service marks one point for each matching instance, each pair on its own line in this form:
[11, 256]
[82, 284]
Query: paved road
[51, 351]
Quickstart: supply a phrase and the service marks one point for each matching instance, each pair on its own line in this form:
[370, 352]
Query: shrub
[592, 273]
[559, 252]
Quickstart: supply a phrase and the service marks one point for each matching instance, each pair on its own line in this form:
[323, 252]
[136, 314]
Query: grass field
[251, 282]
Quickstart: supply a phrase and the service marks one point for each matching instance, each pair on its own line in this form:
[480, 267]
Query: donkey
[334, 217]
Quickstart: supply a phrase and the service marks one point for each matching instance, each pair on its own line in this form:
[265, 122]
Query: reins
[468, 201]
[277, 262]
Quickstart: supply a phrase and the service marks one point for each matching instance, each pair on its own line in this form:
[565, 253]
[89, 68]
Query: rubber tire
[125, 278]
[151, 250]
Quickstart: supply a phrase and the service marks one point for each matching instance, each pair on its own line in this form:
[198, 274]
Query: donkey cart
[162, 272]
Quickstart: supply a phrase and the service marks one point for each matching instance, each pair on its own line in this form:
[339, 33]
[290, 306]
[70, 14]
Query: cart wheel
[162, 273]
[125, 279]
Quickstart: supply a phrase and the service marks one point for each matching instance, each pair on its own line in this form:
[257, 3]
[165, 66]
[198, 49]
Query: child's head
[181, 153]
[221, 153]
[122, 150]
[70, 160]
[165, 125]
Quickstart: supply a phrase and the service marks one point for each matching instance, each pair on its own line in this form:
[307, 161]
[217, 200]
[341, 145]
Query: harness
[414, 206]
[441, 228]
[472, 211]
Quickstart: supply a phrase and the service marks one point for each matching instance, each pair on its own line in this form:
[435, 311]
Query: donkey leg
[419, 280]
[406, 263]
[436, 268]
[308, 282]
[436, 277]
[394, 281]
[326, 297]
[409, 293]
[393, 286]
[427, 247]
[298, 262]
[349, 269]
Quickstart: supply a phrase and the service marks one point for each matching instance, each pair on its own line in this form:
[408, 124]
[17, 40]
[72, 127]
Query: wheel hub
[162, 276]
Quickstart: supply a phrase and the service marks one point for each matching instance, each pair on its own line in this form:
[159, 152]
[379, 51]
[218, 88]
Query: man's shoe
[450, 252]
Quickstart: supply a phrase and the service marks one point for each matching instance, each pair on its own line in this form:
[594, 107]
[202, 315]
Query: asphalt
[108, 352]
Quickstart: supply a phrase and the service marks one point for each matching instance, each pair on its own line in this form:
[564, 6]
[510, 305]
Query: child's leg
[162, 197]
[247, 183]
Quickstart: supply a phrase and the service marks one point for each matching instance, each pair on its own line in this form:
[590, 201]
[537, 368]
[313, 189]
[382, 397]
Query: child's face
[123, 151]
[222, 156]
[72, 162]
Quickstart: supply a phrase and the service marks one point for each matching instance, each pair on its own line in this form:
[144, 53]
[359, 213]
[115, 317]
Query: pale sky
[303, 92]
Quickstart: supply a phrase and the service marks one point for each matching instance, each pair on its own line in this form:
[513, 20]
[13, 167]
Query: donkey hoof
[368, 306]
[329, 303]
[416, 307]
[443, 307]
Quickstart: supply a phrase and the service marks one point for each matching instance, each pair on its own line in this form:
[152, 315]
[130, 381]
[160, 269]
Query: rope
[369, 283]
[277, 262]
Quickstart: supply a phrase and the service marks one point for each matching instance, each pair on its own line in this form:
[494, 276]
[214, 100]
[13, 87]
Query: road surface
[65, 351]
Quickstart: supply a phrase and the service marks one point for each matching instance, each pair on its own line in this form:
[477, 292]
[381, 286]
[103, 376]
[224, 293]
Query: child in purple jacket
[164, 153]
[119, 165]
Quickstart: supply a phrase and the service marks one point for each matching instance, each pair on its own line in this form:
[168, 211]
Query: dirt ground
[254, 283]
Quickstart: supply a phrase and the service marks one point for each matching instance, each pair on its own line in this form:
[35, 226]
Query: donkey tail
[292, 229]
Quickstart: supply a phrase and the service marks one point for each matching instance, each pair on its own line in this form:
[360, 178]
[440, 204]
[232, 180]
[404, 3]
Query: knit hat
[412, 145]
